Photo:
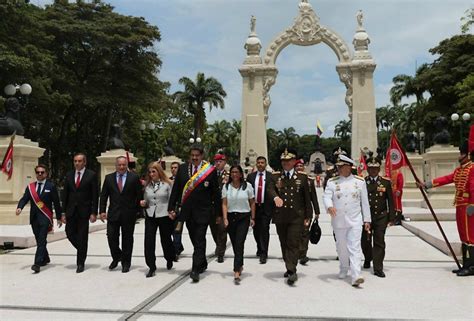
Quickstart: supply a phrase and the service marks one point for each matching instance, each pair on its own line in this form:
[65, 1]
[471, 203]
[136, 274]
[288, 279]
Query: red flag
[7, 164]
[362, 164]
[395, 156]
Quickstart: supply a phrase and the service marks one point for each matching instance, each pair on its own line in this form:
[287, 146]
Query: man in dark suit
[264, 186]
[218, 231]
[80, 200]
[296, 212]
[124, 190]
[42, 195]
[177, 232]
[198, 201]
[382, 211]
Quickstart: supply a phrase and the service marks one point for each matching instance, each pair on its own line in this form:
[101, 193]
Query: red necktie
[78, 179]
[259, 190]
[195, 170]
[120, 183]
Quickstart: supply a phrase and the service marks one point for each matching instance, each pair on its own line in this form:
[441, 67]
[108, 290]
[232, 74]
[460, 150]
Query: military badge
[206, 184]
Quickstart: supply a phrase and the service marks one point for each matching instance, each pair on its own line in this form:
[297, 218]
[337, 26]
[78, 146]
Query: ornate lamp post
[422, 143]
[11, 121]
[147, 131]
[466, 117]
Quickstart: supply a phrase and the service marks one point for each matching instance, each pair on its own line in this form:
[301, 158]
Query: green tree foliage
[196, 94]
[223, 136]
[89, 67]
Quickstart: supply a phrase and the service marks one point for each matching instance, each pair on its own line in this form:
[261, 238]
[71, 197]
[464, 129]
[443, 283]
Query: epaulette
[385, 178]
[333, 178]
[330, 168]
[276, 173]
[303, 173]
[359, 177]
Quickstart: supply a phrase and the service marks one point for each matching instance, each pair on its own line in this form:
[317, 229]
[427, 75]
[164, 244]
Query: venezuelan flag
[319, 129]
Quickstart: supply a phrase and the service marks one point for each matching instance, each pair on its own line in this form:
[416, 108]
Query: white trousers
[349, 250]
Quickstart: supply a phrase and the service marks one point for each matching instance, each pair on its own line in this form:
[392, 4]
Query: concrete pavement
[419, 285]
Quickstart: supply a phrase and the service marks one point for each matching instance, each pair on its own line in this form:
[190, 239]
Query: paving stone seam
[59, 309]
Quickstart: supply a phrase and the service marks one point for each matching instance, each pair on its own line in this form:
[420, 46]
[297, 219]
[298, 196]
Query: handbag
[315, 232]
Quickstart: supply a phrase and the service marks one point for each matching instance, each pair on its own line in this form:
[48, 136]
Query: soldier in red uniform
[463, 178]
[397, 189]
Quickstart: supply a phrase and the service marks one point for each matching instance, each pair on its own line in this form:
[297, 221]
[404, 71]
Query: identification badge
[206, 183]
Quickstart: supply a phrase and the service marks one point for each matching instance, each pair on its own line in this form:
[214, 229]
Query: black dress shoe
[125, 268]
[176, 258]
[465, 272]
[169, 265]
[194, 276]
[287, 274]
[36, 268]
[203, 269]
[80, 268]
[366, 264]
[292, 279]
[114, 264]
[150, 273]
[380, 274]
[220, 259]
[456, 271]
[263, 259]
[304, 260]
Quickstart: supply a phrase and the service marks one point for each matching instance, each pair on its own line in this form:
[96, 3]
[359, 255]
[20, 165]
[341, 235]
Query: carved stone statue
[412, 143]
[442, 135]
[115, 140]
[168, 149]
[10, 121]
[360, 18]
[253, 21]
[252, 156]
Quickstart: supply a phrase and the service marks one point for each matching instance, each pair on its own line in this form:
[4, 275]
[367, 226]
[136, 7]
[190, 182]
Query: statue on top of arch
[360, 19]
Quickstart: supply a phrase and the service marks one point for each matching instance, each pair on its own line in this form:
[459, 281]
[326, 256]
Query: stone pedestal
[25, 158]
[411, 193]
[107, 161]
[312, 161]
[441, 160]
[168, 161]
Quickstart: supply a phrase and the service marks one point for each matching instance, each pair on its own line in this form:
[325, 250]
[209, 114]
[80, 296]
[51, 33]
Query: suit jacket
[49, 196]
[313, 195]
[380, 199]
[268, 194]
[203, 201]
[83, 200]
[125, 204]
[294, 192]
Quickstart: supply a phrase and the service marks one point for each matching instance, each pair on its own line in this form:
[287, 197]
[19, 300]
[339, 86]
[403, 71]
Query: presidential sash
[41, 205]
[196, 179]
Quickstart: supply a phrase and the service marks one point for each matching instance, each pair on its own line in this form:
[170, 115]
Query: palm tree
[343, 129]
[288, 136]
[196, 95]
[406, 86]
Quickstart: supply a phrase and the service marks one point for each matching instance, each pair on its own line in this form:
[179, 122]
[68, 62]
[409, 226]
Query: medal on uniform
[40, 204]
[206, 184]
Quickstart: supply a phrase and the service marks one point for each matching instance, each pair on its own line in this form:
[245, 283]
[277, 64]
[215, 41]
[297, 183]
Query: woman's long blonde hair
[161, 173]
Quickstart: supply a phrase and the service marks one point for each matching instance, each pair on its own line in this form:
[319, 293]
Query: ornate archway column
[362, 66]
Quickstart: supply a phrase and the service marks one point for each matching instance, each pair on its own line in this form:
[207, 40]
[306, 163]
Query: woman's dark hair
[243, 183]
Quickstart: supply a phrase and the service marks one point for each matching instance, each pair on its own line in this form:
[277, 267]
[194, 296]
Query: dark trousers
[238, 228]
[261, 230]
[304, 241]
[197, 234]
[377, 251]
[290, 240]
[77, 231]
[166, 227]
[219, 234]
[127, 226]
[40, 225]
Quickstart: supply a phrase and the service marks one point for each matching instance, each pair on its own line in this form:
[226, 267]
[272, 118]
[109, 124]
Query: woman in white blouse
[238, 209]
[156, 196]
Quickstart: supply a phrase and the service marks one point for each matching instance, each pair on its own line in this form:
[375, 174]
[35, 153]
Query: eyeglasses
[40, 172]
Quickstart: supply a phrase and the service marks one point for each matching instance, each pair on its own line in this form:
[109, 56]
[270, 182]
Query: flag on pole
[395, 156]
[362, 164]
[7, 163]
[319, 129]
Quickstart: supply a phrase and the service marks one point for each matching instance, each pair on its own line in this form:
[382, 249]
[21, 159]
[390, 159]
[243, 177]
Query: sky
[208, 36]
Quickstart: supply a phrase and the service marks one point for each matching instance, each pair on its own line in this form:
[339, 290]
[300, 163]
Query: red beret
[299, 161]
[219, 157]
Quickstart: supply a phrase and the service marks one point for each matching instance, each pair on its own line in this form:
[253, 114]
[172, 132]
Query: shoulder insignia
[276, 173]
[303, 173]
[385, 178]
[333, 178]
[359, 177]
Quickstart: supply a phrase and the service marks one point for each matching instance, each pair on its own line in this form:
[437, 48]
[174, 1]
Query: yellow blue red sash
[196, 179]
[41, 205]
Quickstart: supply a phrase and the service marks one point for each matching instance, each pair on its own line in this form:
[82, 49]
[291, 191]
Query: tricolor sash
[41, 205]
[196, 179]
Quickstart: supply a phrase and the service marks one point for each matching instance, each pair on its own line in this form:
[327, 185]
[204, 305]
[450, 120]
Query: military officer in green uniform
[293, 211]
[218, 231]
[383, 214]
[315, 208]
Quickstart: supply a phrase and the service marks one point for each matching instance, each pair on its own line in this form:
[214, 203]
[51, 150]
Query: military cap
[344, 160]
[339, 150]
[299, 161]
[218, 157]
[287, 155]
[373, 162]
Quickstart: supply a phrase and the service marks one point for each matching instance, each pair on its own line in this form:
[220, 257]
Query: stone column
[107, 161]
[25, 158]
[441, 160]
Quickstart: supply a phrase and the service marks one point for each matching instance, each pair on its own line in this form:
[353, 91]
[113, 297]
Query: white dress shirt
[257, 178]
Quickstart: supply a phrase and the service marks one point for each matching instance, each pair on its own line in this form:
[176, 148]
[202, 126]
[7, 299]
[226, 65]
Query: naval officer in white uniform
[345, 199]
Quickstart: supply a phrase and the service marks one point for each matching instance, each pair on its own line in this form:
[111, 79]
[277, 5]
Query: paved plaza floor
[419, 285]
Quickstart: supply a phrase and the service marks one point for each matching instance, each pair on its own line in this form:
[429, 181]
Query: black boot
[463, 251]
[468, 262]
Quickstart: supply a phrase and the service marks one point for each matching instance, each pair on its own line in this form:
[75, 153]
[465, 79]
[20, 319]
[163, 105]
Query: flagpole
[429, 204]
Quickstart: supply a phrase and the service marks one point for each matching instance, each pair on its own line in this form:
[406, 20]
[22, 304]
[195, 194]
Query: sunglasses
[40, 173]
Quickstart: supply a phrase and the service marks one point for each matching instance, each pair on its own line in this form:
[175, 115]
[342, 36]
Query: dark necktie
[38, 188]
[78, 179]
[260, 187]
[195, 170]
[120, 183]
[288, 175]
